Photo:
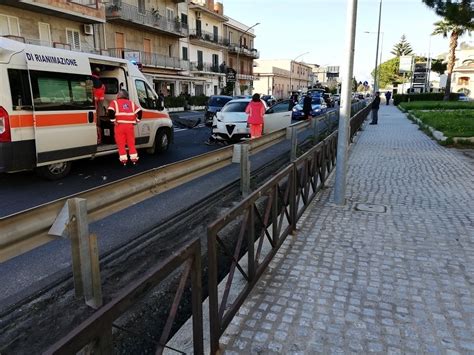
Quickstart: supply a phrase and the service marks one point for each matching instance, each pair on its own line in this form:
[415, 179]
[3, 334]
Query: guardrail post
[294, 143]
[244, 170]
[316, 129]
[85, 255]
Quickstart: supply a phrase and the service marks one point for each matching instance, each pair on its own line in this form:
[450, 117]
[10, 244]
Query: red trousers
[125, 136]
[256, 130]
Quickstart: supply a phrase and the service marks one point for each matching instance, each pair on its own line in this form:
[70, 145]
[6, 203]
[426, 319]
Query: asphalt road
[51, 260]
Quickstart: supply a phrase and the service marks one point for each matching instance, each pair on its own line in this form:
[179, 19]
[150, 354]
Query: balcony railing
[60, 45]
[243, 50]
[93, 4]
[118, 10]
[206, 67]
[208, 37]
[149, 59]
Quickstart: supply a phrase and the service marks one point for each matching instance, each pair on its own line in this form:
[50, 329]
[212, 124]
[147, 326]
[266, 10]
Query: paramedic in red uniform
[125, 115]
[98, 88]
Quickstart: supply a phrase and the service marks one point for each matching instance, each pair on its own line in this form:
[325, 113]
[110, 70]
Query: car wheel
[161, 143]
[55, 171]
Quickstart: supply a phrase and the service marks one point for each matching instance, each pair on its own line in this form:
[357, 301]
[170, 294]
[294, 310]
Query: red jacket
[124, 111]
[255, 111]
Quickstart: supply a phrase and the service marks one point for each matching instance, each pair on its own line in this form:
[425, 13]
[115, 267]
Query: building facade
[299, 73]
[462, 79]
[272, 81]
[181, 45]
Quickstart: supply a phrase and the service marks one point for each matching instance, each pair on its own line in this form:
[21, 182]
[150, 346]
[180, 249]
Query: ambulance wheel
[161, 144]
[54, 171]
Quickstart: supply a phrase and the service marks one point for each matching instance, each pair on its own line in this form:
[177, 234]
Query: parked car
[318, 106]
[336, 98]
[213, 106]
[242, 97]
[230, 124]
[328, 99]
[269, 99]
[463, 97]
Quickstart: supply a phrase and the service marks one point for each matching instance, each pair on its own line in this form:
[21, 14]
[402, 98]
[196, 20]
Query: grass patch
[451, 123]
[438, 105]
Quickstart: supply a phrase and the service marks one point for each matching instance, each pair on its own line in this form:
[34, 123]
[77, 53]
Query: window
[280, 107]
[44, 33]
[463, 80]
[184, 20]
[146, 97]
[230, 35]
[185, 53]
[111, 85]
[141, 6]
[9, 25]
[215, 60]
[51, 91]
[199, 57]
[169, 14]
[73, 38]
[216, 33]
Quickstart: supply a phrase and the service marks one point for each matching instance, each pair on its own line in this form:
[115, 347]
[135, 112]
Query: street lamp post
[238, 55]
[376, 84]
[377, 72]
[291, 69]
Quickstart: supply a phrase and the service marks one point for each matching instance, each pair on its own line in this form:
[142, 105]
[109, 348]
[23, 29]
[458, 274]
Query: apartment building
[272, 81]
[463, 73]
[241, 54]
[299, 72]
[180, 45]
[325, 75]
[71, 24]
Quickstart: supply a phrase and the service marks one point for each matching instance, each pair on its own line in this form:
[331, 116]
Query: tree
[454, 31]
[438, 66]
[402, 47]
[459, 12]
[354, 84]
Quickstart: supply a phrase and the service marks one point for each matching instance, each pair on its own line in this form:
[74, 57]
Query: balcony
[146, 20]
[149, 59]
[38, 42]
[207, 39]
[86, 11]
[205, 68]
[244, 51]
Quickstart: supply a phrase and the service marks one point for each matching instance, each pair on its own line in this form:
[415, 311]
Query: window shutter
[14, 26]
[77, 40]
[4, 25]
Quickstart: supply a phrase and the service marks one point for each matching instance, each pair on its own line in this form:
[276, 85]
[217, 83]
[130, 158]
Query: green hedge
[171, 101]
[198, 100]
[437, 105]
[423, 97]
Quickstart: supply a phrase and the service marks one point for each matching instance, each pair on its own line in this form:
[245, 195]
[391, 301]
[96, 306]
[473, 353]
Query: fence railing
[96, 331]
[208, 37]
[267, 216]
[148, 59]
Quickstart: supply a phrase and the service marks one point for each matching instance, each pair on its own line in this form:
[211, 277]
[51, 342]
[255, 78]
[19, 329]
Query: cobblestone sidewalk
[393, 282]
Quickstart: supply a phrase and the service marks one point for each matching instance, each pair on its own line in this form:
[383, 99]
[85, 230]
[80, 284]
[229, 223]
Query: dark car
[214, 105]
[318, 106]
[269, 99]
[328, 99]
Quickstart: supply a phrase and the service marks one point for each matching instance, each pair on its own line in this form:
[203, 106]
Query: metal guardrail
[269, 213]
[96, 331]
[27, 230]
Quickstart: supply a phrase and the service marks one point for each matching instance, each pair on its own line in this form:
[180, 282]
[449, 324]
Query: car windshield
[238, 106]
[218, 101]
[315, 100]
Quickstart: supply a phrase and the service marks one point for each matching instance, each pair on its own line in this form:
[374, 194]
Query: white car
[230, 123]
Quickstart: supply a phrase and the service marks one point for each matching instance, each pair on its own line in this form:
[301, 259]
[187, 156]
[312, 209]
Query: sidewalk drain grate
[368, 207]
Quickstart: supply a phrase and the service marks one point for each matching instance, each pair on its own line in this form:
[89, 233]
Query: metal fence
[95, 332]
[267, 216]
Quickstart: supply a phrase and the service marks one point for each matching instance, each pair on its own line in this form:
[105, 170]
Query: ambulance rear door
[63, 109]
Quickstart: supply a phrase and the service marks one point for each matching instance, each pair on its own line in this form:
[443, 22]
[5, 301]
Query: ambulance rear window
[20, 89]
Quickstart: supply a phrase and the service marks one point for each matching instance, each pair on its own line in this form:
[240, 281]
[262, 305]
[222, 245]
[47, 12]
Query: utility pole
[345, 110]
[376, 84]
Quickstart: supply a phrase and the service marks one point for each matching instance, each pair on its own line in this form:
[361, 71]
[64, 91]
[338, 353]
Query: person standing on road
[375, 108]
[255, 111]
[307, 107]
[125, 115]
[388, 96]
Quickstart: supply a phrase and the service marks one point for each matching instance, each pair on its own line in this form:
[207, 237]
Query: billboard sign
[406, 62]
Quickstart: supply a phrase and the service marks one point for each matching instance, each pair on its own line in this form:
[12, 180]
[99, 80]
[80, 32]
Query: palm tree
[460, 12]
[446, 28]
[402, 48]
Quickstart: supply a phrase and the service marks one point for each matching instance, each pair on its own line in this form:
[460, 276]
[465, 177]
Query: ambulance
[48, 117]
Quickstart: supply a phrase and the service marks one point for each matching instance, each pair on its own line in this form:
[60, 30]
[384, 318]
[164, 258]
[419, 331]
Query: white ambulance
[47, 114]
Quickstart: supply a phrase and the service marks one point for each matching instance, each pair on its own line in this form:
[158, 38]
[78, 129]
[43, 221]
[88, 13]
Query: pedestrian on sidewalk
[388, 96]
[375, 108]
[307, 107]
[124, 114]
[255, 111]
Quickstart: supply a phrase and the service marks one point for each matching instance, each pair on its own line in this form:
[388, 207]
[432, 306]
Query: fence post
[244, 170]
[294, 143]
[316, 129]
[85, 255]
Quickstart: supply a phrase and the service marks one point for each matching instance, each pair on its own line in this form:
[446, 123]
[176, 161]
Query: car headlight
[295, 110]
[317, 110]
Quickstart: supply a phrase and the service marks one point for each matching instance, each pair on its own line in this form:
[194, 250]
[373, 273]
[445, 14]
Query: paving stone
[396, 282]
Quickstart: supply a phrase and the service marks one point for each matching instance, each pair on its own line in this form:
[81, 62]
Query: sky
[289, 28]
